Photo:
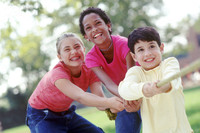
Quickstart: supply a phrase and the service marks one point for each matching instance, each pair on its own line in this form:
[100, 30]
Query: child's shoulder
[170, 60]
[135, 69]
[85, 68]
[119, 38]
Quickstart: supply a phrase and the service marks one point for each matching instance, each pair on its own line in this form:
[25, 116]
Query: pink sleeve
[91, 60]
[122, 46]
[59, 74]
[93, 78]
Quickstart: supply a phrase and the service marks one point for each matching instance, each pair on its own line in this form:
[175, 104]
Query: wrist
[107, 103]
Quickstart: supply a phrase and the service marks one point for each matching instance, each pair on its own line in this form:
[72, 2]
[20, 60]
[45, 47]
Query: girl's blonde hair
[66, 35]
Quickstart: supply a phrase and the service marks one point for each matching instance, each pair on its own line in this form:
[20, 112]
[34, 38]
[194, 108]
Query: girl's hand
[114, 110]
[116, 104]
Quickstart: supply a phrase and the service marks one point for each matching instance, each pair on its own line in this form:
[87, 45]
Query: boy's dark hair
[143, 34]
[95, 10]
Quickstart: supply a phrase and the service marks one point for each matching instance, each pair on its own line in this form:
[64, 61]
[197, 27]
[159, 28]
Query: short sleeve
[121, 44]
[59, 73]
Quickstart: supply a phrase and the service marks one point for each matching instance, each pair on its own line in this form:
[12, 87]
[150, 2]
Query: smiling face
[96, 30]
[71, 52]
[148, 54]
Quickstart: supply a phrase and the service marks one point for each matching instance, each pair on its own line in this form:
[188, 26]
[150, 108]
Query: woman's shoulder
[118, 38]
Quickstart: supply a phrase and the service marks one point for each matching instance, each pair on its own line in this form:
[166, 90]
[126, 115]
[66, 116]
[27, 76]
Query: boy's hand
[132, 106]
[151, 89]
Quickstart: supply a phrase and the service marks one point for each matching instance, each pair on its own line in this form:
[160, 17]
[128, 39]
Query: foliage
[125, 15]
[25, 53]
[34, 6]
[179, 51]
[196, 26]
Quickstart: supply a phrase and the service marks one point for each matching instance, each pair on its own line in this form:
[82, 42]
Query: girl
[109, 59]
[49, 106]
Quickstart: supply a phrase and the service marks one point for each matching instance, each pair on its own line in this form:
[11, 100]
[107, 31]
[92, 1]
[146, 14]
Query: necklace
[107, 48]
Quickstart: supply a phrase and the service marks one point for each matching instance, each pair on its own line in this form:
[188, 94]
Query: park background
[28, 32]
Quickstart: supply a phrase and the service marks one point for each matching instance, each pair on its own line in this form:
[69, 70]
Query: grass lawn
[192, 105]
[99, 118]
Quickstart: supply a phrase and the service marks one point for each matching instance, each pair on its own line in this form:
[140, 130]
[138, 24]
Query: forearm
[106, 80]
[112, 88]
[89, 99]
[101, 108]
[129, 61]
[101, 103]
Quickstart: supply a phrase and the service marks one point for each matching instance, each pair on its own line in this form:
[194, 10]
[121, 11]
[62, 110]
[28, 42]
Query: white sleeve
[131, 87]
[171, 66]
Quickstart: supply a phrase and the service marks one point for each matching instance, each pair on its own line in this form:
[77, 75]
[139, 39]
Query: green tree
[125, 15]
[25, 53]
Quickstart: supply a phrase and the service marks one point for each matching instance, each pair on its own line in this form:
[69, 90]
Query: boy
[162, 109]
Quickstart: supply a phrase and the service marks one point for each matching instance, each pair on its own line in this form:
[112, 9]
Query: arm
[170, 67]
[107, 81]
[88, 99]
[131, 87]
[131, 106]
[96, 88]
[129, 61]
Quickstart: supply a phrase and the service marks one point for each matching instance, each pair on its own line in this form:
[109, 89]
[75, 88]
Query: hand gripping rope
[192, 67]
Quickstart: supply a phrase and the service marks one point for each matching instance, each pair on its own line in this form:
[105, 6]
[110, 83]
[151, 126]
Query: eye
[77, 46]
[140, 50]
[67, 49]
[98, 22]
[152, 46]
[87, 28]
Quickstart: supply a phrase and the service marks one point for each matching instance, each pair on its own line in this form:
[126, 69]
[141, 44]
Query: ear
[109, 27]
[59, 57]
[133, 56]
[162, 48]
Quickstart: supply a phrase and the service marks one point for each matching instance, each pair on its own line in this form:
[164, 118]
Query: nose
[94, 29]
[147, 53]
[73, 51]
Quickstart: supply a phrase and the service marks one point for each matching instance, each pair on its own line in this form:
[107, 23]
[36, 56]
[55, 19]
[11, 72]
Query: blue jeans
[128, 122]
[47, 121]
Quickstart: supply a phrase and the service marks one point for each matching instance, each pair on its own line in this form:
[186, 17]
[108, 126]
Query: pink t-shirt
[117, 69]
[47, 95]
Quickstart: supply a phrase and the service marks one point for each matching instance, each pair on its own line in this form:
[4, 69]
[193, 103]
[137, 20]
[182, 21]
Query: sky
[175, 11]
